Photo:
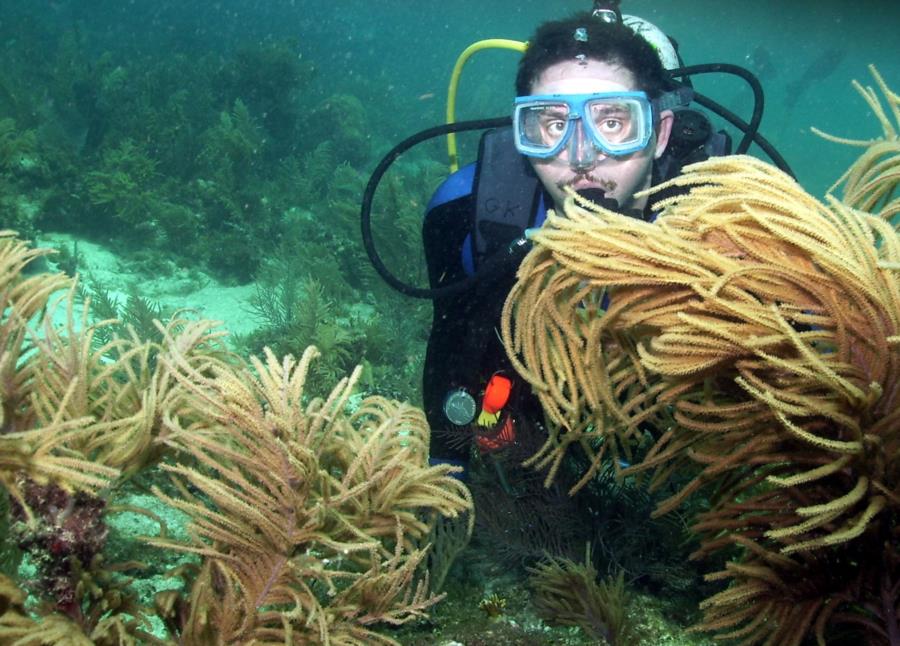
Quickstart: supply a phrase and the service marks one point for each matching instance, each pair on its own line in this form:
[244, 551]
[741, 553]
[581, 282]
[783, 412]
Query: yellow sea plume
[871, 182]
[313, 521]
[748, 340]
[746, 290]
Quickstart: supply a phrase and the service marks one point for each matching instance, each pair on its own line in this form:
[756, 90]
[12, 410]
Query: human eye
[612, 121]
[611, 125]
[553, 123]
[554, 127]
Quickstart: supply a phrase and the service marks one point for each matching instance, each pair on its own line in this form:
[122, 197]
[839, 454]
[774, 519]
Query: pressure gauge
[459, 407]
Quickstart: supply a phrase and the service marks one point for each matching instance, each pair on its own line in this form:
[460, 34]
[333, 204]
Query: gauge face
[459, 407]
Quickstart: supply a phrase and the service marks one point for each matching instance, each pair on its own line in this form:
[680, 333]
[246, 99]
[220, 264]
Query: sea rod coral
[308, 523]
[757, 330]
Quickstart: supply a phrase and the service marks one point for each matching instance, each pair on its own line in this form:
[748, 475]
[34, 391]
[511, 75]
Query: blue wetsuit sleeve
[459, 184]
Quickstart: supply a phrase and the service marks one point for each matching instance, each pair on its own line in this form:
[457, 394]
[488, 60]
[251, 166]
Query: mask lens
[542, 126]
[617, 124]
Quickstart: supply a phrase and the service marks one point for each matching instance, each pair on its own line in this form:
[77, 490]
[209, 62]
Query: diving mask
[615, 123]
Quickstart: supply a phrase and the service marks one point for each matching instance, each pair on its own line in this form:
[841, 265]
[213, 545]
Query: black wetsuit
[464, 347]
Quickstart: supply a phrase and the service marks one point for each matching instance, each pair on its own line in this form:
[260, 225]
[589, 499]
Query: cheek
[634, 176]
[549, 175]
[546, 170]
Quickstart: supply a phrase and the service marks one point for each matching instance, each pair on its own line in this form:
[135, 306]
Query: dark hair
[614, 43]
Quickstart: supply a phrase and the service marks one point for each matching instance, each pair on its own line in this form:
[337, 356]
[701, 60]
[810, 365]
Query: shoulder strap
[507, 193]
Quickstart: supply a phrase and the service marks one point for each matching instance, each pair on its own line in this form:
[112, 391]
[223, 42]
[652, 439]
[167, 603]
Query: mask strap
[674, 99]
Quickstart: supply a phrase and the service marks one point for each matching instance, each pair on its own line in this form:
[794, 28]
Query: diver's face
[619, 176]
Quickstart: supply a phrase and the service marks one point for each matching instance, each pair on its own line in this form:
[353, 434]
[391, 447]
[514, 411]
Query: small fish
[426, 96]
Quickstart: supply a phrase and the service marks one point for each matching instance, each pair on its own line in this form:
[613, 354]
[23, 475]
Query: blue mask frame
[577, 105]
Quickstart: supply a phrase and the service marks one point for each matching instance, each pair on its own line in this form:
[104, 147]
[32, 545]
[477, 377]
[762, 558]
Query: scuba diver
[592, 113]
[597, 110]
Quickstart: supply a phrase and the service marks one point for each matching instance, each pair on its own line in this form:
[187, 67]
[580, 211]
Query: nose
[582, 152]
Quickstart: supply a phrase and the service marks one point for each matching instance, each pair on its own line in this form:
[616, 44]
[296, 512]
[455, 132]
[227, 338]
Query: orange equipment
[495, 397]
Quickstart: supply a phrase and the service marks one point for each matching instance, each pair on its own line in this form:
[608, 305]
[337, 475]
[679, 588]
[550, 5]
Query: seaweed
[123, 187]
[343, 117]
[18, 148]
[568, 593]
[136, 316]
[294, 313]
[267, 77]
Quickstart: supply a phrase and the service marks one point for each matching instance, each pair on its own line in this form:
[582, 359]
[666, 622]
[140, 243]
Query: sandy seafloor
[182, 289]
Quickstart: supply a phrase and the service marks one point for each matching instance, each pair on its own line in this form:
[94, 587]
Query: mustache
[607, 185]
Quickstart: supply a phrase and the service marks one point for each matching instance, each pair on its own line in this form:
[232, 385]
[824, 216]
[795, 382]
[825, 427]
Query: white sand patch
[182, 289]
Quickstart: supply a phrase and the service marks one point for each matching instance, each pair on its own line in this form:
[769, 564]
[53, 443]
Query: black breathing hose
[369, 196]
[751, 129]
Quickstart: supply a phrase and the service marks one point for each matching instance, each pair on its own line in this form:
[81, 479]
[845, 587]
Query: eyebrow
[553, 110]
[609, 108]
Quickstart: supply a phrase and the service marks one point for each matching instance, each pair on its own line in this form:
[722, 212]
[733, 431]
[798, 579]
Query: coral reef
[64, 533]
[307, 522]
[757, 330]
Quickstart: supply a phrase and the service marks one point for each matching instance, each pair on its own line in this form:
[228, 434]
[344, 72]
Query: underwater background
[211, 155]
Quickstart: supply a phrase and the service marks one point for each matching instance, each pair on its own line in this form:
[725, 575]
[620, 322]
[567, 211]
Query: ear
[663, 132]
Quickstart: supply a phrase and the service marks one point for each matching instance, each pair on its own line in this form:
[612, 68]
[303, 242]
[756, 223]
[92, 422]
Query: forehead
[570, 77]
